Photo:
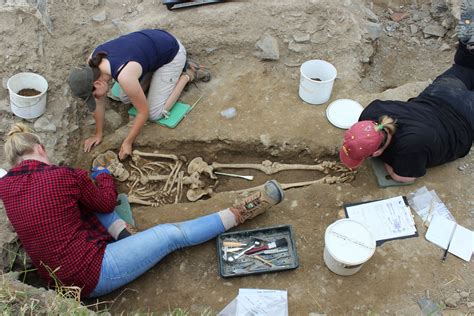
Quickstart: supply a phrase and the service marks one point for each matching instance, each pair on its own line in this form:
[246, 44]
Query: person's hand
[125, 150]
[98, 170]
[92, 141]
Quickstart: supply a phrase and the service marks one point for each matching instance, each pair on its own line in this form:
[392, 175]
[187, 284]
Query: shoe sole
[275, 185]
[465, 31]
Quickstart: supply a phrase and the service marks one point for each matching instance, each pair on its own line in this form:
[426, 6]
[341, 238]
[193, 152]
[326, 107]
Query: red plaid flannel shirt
[51, 209]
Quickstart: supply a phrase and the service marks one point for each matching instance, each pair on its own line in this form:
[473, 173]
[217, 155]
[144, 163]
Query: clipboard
[381, 241]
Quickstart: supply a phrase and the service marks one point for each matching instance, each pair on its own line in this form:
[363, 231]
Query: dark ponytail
[94, 63]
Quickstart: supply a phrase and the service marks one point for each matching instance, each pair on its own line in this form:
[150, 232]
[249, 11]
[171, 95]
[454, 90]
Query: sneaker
[465, 28]
[195, 71]
[258, 202]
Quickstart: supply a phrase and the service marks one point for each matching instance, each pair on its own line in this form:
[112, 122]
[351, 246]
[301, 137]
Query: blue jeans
[127, 259]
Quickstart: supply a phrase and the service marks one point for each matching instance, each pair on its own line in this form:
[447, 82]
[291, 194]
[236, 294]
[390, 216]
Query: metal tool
[273, 251]
[234, 249]
[232, 258]
[180, 4]
[249, 178]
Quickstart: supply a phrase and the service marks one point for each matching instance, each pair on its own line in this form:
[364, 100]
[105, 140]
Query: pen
[445, 254]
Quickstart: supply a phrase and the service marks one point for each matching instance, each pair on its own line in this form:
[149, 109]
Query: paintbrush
[282, 242]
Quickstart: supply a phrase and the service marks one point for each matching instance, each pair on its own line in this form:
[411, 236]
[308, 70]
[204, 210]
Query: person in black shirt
[434, 128]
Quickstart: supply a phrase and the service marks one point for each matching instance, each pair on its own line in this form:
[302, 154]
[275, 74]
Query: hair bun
[18, 128]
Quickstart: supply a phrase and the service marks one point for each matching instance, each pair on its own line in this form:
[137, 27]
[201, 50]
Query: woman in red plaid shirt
[63, 220]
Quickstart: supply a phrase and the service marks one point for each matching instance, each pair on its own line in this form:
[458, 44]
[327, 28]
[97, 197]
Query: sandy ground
[273, 123]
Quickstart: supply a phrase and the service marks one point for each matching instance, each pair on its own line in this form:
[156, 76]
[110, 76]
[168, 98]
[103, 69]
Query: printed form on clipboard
[386, 219]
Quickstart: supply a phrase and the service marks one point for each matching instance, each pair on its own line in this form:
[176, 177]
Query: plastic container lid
[349, 242]
[343, 113]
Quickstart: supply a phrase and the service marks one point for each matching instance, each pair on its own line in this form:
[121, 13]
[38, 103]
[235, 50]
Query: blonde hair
[388, 124]
[20, 141]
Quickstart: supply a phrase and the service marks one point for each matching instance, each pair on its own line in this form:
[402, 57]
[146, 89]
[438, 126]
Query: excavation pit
[154, 178]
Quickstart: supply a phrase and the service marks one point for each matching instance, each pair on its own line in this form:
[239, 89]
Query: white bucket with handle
[316, 81]
[27, 107]
[347, 246]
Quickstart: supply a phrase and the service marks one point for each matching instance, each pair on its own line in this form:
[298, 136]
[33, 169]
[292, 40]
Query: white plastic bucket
[347, 246]
[27, 107]
[316, 81]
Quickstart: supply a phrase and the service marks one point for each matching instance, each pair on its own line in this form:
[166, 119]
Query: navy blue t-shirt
[428, 134]
[150, 48]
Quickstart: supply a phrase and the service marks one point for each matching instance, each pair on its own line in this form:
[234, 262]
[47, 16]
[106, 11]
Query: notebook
[449, 235]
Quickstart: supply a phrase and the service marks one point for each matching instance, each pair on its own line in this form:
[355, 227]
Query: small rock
[434, 30]
[44, 125]
[113, 119]
[90, 121]
[370, 15]
[391, 26]
[99, 17]
[374, 30]
[470, 305]
[453, 300]
[413, 29]
[269, 48]
[445, 47]
[438, 7]
[301, 37]
[210, 50]
[464, 294]
[298, 48]
[398, 16]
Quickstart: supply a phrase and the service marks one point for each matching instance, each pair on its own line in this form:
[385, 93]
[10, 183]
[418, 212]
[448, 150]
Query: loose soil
[28, 92]
[271, 123]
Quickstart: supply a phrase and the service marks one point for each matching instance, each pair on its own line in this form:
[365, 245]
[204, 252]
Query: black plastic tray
[247, 265]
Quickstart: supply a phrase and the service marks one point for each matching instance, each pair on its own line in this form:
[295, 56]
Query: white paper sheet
[385, 219]
[440, 231]
[445, 233]
[427, 204]
[258, 302]
[462, 243]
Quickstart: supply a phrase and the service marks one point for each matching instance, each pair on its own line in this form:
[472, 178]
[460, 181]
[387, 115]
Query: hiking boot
[196, 71]
[258, 202]
[465, 28]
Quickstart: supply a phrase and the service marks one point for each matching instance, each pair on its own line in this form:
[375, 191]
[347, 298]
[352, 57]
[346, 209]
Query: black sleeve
[409, 165]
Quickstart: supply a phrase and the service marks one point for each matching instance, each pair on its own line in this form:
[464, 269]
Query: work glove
[98, 170]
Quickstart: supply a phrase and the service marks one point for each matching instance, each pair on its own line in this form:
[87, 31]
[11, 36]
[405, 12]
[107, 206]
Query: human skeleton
[155, 179]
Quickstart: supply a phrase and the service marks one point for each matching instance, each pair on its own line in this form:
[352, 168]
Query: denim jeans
[127, 259]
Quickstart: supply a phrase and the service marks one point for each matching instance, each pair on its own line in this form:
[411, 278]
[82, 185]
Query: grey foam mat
[383, 178]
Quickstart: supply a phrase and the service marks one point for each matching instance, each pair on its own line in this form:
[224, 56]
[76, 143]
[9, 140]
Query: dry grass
[17, 298]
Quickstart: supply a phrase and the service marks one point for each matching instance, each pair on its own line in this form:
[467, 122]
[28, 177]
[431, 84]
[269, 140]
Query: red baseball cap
[360, 142]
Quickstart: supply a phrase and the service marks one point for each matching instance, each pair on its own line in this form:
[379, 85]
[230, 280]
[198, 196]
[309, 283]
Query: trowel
[249, 178]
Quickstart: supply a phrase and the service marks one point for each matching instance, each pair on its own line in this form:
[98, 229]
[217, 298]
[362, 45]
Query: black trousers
[455, 86]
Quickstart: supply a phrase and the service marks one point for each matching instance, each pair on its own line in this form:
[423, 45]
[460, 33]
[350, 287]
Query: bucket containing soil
[27, 94]
[347, 246]
[316, 81]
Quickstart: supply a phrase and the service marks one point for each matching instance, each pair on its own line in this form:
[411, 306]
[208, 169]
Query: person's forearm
[137, 126]
[99, 117]
[396, 177]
